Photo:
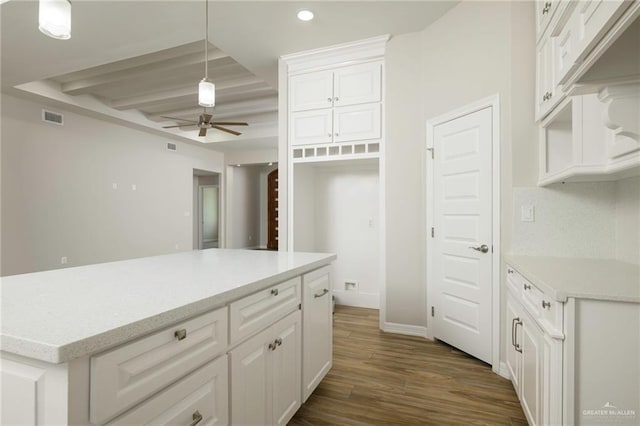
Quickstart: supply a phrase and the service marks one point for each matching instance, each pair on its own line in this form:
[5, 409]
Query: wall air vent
[52, 117]
[171, 146]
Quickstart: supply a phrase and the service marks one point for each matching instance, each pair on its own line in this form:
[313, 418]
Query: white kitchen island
[204, 337]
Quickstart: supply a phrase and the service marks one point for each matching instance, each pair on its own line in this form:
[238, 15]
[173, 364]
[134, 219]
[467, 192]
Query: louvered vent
[52, 117]
[171, 146]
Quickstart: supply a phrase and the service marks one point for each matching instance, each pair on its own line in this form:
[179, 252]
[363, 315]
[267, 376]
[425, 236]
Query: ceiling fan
[204, 123]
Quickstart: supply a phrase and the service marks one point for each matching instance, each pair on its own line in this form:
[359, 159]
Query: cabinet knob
[272, 346]
[197, 417]
[546, 304]
[336, 99]
[527, 287]
[278, 342]
[274, 291]
[509, 271]
[329, 134]
[336, 134]
[181, 334]
[329, 99]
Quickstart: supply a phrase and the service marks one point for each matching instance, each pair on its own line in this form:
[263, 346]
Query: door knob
[483, 248]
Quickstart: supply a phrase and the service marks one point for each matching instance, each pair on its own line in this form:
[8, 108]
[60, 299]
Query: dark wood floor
[388, 379]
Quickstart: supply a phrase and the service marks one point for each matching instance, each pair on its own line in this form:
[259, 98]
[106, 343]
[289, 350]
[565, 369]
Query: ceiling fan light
[54, 18]
[206, 93]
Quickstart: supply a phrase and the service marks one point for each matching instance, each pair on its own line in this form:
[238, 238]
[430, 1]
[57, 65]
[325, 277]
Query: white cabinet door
[317, 329]
[311, 91]
[266, 375]
[286, 366]
[311, 127]
[200, 397]
[250, 381]
[357, 122]
[565, 51]
[357, 84]
[545, 90]
[544, 11]
[531, 386]
[594, 18]
[514, 344]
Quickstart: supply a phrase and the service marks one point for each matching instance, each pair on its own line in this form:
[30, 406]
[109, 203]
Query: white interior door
[462, 235]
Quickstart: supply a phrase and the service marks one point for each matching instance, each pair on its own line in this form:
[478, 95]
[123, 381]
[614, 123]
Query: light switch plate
[527, 213]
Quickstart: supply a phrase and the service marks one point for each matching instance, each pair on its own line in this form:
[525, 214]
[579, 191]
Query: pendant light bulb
[54, 18]
[206, 93]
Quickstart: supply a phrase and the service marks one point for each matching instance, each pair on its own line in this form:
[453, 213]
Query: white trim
[339, 54]
[504, 371]
[357, 299]
[407, 329]
[492, 102]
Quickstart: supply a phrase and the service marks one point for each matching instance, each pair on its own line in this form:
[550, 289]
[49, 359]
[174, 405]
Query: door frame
[492, 102]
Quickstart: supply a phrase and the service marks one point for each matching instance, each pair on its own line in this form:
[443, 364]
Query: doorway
[463, 229]
[206, 208]
[272, 210]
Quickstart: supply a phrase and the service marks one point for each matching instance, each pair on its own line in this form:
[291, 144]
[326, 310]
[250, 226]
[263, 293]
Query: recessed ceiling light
[305, 15]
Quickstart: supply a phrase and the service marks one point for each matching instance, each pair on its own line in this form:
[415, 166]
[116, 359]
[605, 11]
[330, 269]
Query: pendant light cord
[206, 39]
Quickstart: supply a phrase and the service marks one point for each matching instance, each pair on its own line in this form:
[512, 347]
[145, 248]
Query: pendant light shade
[55, 18]
[206, 93]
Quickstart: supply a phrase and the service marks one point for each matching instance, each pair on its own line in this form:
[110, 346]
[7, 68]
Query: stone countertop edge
[135, 330]
[559, 294]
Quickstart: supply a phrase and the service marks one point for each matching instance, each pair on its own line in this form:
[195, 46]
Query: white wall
[57, 195]
[476, 50]
[337, 211]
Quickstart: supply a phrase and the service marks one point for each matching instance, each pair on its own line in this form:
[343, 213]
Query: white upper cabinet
[544, 11]
[311, 127]
[311, 91]
[357, 84]
[356, 122]
[545, 79]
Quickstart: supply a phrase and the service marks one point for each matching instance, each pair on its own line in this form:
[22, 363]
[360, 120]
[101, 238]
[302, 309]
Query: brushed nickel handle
[322, 293]
[274, 291]
[329, 134]
[181, 334]
[513, 331]
[546, 304]
[272, 346]
[336, 134]
[482, 249]
[509, 271]
[329, 99]
[336, 99]
[197, 418]
[517, 346]
[278, 342]
[527, 287]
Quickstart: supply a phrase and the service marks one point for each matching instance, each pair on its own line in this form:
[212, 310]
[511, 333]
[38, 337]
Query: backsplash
[589, 220]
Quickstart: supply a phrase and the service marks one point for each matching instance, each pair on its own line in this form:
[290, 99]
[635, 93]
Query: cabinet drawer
[131, 373]
[532, 298]
[201, 395]
[514, 281]
[258, 311]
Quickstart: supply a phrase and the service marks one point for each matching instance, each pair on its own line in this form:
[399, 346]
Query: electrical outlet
[350, 285]
[527, 213]
[63, 260]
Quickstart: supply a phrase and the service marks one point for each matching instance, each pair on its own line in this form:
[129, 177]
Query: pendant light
[54, 18]
[206, 88]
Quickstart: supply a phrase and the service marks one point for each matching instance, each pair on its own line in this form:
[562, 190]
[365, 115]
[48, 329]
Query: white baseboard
[410, 330]
[357, 299]
[503, 370]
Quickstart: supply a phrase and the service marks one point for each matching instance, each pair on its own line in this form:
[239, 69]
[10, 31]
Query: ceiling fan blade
[177, 119]
[233, 132]
[230, 123]
[202, 132]
[206, 117]
[179, 125]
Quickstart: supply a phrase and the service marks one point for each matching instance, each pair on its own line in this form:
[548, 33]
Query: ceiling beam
[224, 88]
[254, 106]
[86, 85]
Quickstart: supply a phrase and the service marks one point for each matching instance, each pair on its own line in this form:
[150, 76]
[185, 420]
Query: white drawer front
[201, 395]
[130, 373]
[258, 311]
[532, 298]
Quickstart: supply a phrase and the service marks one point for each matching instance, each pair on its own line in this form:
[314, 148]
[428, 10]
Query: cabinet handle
[322, 293]
[274, 291]
[329, 99]
[272, 346]
[181, 334]
[336, 134]
[197, 418]
[527, 287]
[509, 271]
[278, 342]
[336, 99]
[513, 331]
[546, 304]
[517, 345]
[329, 134]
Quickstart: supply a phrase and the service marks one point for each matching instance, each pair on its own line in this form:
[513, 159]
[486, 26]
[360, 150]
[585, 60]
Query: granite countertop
[60, 315]
[562, 277]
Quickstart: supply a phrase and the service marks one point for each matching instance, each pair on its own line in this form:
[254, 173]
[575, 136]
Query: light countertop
[60, 315]
[562, 278]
